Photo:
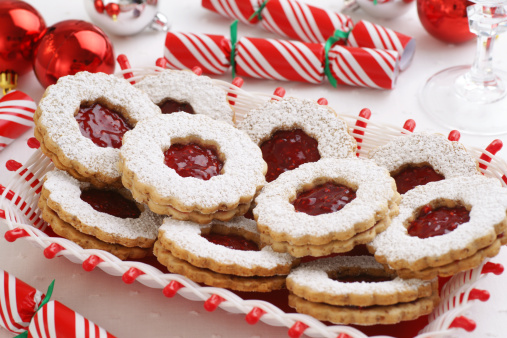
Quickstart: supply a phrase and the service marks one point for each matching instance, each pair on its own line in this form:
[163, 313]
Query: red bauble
[21, 27]
[72, 46]
[445, 19]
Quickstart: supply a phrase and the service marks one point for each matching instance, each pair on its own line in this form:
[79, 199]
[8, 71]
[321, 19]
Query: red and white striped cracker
[187, 50]
[55, 320]
[234, 9]
[18, 303]
[370, 35]
[16, 116]
[364, 67]
[280, 60]
[301, 21]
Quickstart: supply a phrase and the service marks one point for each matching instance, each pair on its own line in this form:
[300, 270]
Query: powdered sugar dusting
[374, 192]
[62, 101]
[187, 236]
[314, 275]
[185, 86]
[66, 191]
[317, 121]
[242, 173]
[449, 159]
[486, 197]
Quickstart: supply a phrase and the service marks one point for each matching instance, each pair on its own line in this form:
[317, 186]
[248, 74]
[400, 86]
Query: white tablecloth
[138, 311]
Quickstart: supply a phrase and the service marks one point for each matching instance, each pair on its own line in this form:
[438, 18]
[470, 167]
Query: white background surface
[138, 311]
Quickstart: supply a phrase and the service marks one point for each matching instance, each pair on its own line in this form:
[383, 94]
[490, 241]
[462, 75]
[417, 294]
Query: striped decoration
[187, 50]
[280, 60]
[234, 9]
[364, 67]
[303, 22]
[55, 320]
[16, 116]
[369, 35]
[18, 303]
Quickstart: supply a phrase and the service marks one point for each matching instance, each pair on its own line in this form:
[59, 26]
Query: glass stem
[482, 68]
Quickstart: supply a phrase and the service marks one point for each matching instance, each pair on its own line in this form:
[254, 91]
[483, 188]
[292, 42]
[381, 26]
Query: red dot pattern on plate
[411, 177]
[171, 106]
[232, 242]
[324, 199]
[193, 160]
[436, 222]
[287, 150]
[103, 126]
[364, 278]
[110, 202]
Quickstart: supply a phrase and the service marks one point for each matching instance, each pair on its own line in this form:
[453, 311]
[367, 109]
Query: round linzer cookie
[80, 122]
[107, 219]
[420, 158]
[181, 90]
[357, 290]
[291, 132]
[445, 227]
[191, 167]
[326, 207]
[222, 254]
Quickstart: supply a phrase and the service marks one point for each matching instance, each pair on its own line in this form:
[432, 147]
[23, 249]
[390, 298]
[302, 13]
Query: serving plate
[23, 219]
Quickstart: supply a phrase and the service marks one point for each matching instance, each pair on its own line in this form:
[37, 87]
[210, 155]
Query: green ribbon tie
[337, 35]
[257, 13]
[44, 302]
[234, 40]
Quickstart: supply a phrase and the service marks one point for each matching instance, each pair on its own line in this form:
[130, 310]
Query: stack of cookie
[445, 227]
[222, 254]
[206, 170]
[291, 132]
[326, 207]
[106, 219]
[357, 290]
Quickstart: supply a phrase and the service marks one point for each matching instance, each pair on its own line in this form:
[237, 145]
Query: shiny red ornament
[21, 27]
[72, 46]
[446, 20]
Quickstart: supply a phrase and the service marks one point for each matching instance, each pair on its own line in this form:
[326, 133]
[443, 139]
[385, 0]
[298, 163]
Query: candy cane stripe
[16, 119]
[369, 35]
[256, 60]
[298, 61]
[16, 115]
[184, 51]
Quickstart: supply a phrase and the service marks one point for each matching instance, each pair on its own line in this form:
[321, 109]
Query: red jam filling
[232, 242]
[193, 160]
[103, 126]
[171, 106]
[411, 177]
[440, 221]
[362, 278]
[287, 150]
[324, 199]
[111, 202]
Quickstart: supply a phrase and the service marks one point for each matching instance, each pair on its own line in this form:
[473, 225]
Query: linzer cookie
[417, 159]
[106, 219]
[291, 132]
[191, 167]
[175, 90]
[222, 254]
[326, 207]
[357, 290]
[80, 122]
[445, 227]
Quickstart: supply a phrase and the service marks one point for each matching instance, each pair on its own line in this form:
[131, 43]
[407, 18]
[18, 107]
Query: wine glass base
[443, 103]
